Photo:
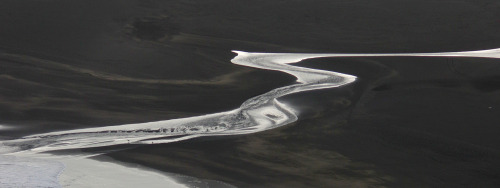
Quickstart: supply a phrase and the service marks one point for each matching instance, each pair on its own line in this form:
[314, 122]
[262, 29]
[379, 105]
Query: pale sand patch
[81, 171]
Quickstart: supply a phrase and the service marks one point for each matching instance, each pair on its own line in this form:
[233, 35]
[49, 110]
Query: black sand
[407, 122]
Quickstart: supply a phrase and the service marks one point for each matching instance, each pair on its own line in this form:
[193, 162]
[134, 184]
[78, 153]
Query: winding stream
[257, 114]
[24, 163]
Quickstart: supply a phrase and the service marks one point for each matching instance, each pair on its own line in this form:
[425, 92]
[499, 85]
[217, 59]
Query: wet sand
[427, 130]
[407, 122]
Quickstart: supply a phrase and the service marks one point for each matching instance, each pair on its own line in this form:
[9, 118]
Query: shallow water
[405, 122]
[255, 115]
